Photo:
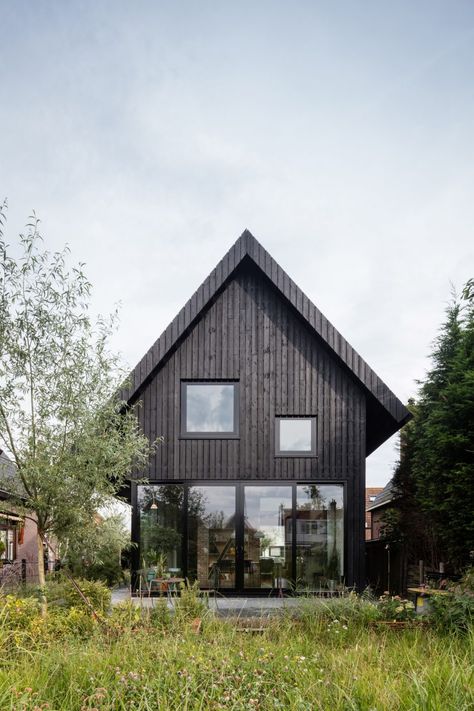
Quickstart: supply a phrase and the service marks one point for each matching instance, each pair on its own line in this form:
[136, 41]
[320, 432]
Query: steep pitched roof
[385, 413]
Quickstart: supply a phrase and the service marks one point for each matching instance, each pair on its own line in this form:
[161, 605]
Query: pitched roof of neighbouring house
[385, 413]
[386, 496]
[7, 474]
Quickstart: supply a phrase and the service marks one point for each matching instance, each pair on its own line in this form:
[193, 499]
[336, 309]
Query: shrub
[18, 613]
[126, 615]
[394, 608]
[189, 605]
[160, 615]
[453, 613]
[70, 622]
[62, 592]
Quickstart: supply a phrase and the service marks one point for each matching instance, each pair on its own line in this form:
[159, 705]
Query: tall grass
[304, 664]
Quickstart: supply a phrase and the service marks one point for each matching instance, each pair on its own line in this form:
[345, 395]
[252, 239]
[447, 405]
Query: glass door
[211, 536]
[267, 537]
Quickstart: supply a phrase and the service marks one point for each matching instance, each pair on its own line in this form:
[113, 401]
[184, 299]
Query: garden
[334, 653]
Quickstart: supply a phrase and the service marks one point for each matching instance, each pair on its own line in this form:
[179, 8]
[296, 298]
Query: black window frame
[234, 434]
[295, 453]
[239, 485]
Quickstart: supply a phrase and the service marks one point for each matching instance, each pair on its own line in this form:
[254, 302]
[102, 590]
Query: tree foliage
[96, 553]
[435, 477]
[72, 441]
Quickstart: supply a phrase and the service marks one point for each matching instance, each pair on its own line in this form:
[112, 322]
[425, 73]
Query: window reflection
[320, 536]
[267, 536]
[211, 544]
[209, 407]
[160, 510]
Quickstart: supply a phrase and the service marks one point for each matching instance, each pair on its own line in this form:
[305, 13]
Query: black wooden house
[267, 415]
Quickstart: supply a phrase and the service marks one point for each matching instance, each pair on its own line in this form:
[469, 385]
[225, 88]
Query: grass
[314, 662]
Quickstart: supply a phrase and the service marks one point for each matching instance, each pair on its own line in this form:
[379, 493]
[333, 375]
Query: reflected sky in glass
[265, 506]
[320, 496]
[217, 509]
[210, 408]
[295, 435]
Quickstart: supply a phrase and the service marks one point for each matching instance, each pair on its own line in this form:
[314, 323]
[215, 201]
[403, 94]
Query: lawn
[313, 662]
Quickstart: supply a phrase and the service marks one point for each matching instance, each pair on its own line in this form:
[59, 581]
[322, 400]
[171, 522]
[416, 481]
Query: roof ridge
[247, 245]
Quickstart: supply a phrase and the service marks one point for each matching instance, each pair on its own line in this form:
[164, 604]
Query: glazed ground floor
[244, 537]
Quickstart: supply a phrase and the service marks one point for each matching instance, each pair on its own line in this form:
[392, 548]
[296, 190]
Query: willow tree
[73, 443]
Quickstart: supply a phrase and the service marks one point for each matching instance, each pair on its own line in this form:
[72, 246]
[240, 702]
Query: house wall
[370, 494]
[378, 522]
[251, 334]
[25, 549]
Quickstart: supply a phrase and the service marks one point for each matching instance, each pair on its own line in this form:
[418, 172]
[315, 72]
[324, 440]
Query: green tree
[435, 477]
[95, 552]
[72, 441]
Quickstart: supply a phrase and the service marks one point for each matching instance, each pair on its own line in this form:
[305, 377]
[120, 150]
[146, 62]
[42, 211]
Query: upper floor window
[295, 437]
[209, 409]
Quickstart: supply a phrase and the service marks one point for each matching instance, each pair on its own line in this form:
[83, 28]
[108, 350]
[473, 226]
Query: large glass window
[161, 512]
[243, 536]
[267, 536]
[209, 409]
[211, 536]
[295, 436]
[319, 536]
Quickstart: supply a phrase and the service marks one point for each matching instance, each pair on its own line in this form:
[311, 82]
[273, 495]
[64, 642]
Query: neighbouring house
[18, 533]
[377, 509]
[370, 494]
[267, 415]
[387, 566]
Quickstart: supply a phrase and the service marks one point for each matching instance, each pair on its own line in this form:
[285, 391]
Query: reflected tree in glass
[319, 536]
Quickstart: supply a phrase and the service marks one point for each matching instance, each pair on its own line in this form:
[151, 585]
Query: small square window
[295, 437]
[209, 409]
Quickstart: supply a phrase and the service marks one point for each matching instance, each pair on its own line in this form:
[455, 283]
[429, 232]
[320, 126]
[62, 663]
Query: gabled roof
[385, 413]
[386, 496]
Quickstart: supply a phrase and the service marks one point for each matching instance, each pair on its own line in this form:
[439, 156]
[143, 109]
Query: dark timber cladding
[250, 323]
[303, 380]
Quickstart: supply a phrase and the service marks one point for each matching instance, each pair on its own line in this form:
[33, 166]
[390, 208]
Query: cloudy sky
[148, 135]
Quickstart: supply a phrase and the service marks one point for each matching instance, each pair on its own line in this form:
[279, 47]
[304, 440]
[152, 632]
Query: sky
[149, 135]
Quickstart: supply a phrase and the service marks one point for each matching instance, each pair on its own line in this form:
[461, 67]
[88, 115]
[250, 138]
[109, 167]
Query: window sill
[210, 435]
[296, 455]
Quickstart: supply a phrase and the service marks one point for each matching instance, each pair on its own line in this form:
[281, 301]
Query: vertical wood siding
[251, 334]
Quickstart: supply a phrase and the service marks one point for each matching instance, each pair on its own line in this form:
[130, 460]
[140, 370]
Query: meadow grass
[305, 664]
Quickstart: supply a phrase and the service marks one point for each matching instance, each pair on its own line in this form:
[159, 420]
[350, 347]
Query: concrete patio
[222, 606]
